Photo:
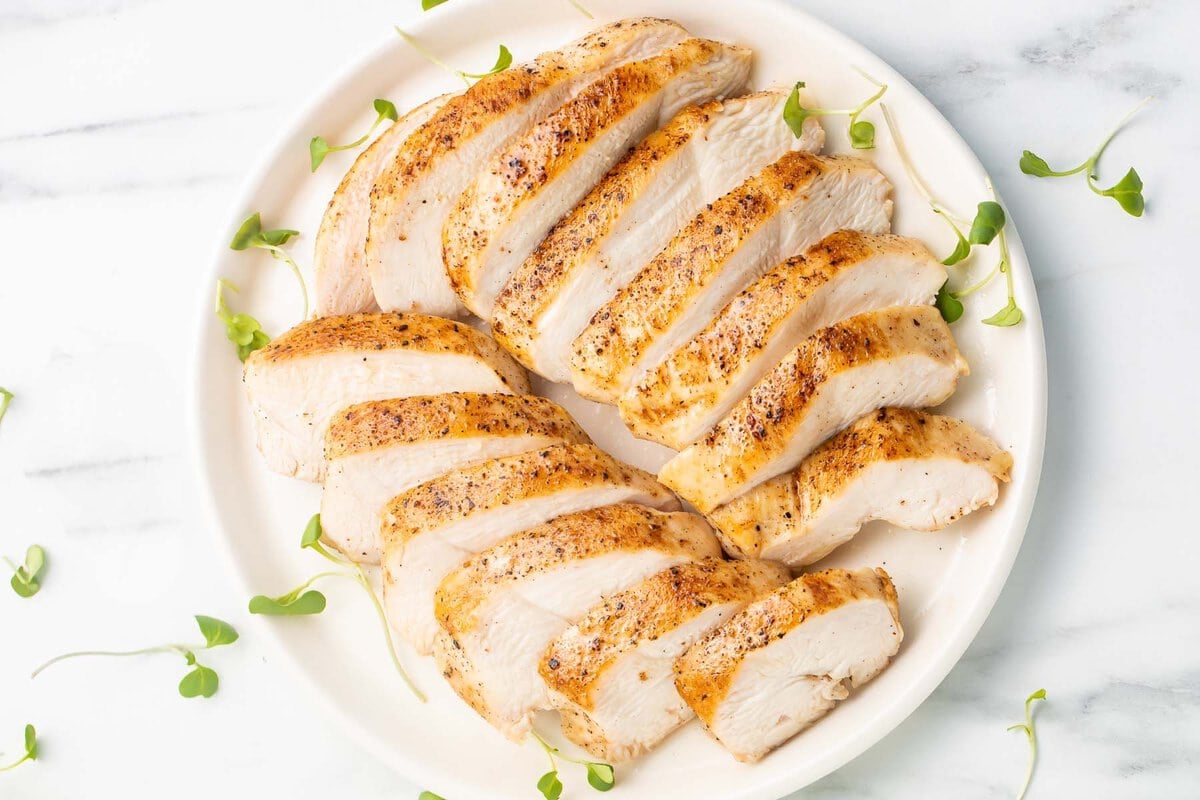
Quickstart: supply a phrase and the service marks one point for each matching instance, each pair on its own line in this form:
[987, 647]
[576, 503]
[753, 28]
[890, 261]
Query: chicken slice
[500, 611]
[701, 154]
[783, 661]
[300, 380]
[513, 203]
[434, 528]
[902, 356]
[915, 470]
[377, 450]
[846, 273]
[339, 259]
[611, 675]
[779, 212]
[414, 195]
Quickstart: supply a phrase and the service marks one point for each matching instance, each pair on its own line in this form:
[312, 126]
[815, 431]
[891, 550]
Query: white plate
[947, 581]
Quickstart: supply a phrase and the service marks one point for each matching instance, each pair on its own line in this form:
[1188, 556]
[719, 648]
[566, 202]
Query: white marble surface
[125, 127]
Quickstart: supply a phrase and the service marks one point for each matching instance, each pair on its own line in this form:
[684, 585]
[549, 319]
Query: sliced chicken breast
[339, 255]
[377, 450]
[502, 609]
[902, 356]
[778, 213]
[846, 273]
[783, 661]
[301, 379]
[414, 195]
[513, 203]
[611, 675]
[626, 219]
[434, 528]
[915, 470]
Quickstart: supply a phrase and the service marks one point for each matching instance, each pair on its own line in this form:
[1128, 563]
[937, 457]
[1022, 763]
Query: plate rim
[891, 714]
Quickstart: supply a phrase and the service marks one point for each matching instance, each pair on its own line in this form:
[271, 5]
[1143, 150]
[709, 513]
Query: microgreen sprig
[303, 601]
[31, 750]
[201, 681]
[987, 226]
[862, 133]
[5, 398]
[1127, 191]
[600, 776]
[503, 60]
[251, 234]
[1027, 727]
[318, 147]
[27, 578]
[242, 329]
[428, 795]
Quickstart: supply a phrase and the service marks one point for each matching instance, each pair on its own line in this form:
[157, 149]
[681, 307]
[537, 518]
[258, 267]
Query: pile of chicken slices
[629, 220]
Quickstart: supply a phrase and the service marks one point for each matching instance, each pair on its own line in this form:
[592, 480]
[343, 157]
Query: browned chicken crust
[383, 423]
[576, 661]
[552, 146]
[772, 509]
[704, 674]
[503, 481]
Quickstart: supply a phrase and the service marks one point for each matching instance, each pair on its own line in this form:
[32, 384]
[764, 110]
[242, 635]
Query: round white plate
[947, 581]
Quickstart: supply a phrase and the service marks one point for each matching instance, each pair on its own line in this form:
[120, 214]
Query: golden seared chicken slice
[626, 219]
[778, 213]
[529, 185]
[611, 675]
[783, 661]
[432, 529]
[300, 380]
[915, 470]
[846, 273]
[903, 356]
[339, 255]
[502, 609]
[414, 195]
[379, 449]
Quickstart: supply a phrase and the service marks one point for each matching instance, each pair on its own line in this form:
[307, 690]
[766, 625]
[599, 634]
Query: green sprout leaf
[318, 147]
[312, 532]
[386, 109]
[428, 795]
[795, 114]
[950, 306]
[250, 234]
[299, 601]
[200, 682]
[1006, 317]
[600, 776]
[216, 632]
[31, 749]
[1031, 734]
[989, 221]
[1035, 165]
[550, 786]
[503, 61]
[243, 330]
[288, 605]
[1128, 193]
[962, 248]
[26, 579]
[862, 133]
[428, 4]
[5, 398]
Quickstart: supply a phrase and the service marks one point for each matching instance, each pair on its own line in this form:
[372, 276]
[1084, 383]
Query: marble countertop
[125, 128]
